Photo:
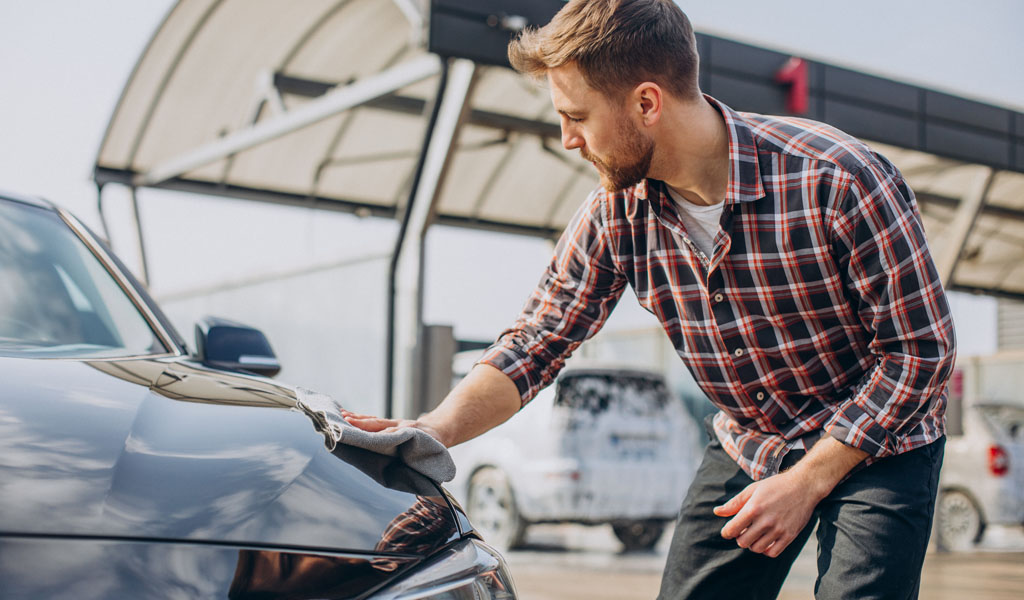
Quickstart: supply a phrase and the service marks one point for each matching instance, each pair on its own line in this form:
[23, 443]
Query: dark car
[130, 468]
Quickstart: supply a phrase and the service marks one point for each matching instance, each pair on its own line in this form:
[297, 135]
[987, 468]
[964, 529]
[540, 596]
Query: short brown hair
[617, 44]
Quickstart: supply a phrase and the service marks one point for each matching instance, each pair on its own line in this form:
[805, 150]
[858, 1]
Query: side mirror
[223, 344]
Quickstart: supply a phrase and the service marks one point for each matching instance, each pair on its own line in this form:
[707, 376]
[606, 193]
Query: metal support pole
[958, 230]
[99, 209]
[139, 236]
[408, 281]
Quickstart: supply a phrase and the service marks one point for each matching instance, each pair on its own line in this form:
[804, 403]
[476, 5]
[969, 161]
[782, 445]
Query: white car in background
[600, 445]
[982, 479]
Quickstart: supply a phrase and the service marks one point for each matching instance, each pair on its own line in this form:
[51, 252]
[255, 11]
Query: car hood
[167, 449]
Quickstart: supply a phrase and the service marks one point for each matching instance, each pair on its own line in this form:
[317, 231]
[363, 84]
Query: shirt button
[760, 395]
[738, 352]
[719, 297]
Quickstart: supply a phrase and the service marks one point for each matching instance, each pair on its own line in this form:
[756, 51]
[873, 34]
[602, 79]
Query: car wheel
[958, 522]
[492, 509]
[638, 535]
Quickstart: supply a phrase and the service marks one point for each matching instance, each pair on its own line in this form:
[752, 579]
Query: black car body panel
[169, 449]
[166, 461]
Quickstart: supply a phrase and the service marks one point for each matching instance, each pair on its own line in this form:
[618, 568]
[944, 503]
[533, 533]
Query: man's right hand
[379, 424]
[484, 399]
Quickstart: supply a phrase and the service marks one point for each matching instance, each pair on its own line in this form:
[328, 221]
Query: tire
[638, 535]
[491, 507]
[958, 521]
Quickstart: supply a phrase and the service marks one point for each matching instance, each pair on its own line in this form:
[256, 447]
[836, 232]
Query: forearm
[483, 400]
[825, 465]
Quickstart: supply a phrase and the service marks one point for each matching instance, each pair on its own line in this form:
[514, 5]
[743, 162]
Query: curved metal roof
[327, 107]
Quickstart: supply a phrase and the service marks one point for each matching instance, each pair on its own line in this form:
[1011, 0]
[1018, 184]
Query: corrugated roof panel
[526, 186]
[289, 163]
[145, 84]
[472, 171]
[1007, 191]
[991, 257]
[351, 39]
[205, 97]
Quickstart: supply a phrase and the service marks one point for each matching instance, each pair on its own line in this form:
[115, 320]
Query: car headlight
[469, 570]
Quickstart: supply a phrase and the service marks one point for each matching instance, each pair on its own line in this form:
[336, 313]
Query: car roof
[26, 199]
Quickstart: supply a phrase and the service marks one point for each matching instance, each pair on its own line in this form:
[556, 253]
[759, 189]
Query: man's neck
[692, 155]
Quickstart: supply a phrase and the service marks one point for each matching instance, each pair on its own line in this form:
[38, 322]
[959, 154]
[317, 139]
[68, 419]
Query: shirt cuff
[856, 427]
[519, 367]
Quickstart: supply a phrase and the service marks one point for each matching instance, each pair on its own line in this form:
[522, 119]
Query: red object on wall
[794, 75]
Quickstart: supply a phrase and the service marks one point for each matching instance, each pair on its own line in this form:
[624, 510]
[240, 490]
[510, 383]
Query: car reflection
[267, 574]
[421, 530]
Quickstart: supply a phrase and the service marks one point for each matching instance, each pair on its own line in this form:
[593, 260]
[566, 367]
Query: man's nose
[571, 140]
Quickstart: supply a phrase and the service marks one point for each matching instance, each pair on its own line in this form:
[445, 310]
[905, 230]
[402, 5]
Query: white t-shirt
[702, 222]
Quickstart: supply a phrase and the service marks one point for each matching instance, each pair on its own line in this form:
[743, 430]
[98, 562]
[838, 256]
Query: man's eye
[576, 119]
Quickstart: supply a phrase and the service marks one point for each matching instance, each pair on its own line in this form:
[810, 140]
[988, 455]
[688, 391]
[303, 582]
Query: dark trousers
[872, 533]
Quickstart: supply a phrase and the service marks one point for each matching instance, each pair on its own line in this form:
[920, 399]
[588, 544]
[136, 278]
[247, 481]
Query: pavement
[571, 562]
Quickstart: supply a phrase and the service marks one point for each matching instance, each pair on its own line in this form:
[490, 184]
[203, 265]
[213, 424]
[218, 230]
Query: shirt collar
[744, 171]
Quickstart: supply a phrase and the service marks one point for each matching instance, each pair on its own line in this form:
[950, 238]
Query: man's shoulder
[809, 140]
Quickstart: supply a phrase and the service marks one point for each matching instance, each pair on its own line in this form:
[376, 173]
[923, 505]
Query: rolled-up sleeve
[892, 283]
[576, 293]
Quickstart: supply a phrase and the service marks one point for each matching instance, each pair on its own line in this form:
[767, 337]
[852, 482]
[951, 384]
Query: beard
[636, 151]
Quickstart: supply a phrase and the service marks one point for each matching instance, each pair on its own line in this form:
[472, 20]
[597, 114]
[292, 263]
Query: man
[787, 264]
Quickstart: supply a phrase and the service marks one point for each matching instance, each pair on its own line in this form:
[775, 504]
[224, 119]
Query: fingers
[738, 525]
[770, 545]
[759, 536]
[372, 424]
[735, 503]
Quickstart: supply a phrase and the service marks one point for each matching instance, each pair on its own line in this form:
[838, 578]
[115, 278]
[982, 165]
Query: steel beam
[956, 233]
[332, 103]
[408, 327]
[140, 238]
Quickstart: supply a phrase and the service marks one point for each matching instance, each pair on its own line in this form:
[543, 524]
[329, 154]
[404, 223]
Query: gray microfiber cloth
[417, 448]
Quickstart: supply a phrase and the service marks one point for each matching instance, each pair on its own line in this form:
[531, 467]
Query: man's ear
[648, 100]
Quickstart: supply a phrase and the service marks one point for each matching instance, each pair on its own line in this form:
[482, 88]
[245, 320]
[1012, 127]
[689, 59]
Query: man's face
[601, 128]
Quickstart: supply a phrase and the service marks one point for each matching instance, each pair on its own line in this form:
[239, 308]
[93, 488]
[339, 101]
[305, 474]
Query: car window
[619, 393]
[57, 299]
[1009, 420]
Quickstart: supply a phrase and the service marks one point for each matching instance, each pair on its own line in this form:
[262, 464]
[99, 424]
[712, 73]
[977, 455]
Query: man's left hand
[769, 514]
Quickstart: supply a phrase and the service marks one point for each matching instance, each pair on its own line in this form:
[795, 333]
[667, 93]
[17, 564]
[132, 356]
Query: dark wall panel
[969, 112]
[880, 126]
[967, 144]
[741, 58]
[748, 95]
[867, 88]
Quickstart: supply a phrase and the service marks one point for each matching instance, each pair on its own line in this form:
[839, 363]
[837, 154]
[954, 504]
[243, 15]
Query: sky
[63, 64]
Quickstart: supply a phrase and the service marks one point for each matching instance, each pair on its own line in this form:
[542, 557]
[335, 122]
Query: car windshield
[619, 393]
[56, 298]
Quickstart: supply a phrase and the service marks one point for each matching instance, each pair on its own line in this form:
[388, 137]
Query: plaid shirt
[819, 312]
